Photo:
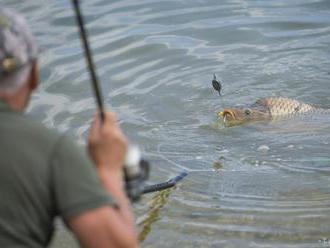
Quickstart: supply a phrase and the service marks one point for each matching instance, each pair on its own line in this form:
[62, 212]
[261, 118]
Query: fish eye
[247, 111]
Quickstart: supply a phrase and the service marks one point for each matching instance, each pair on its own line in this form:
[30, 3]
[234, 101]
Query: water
[156, 60]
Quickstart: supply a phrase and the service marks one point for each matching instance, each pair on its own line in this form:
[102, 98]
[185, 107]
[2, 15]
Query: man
[44, 174]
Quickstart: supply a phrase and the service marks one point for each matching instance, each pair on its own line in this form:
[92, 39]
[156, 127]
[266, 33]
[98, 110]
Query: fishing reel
[136, 171]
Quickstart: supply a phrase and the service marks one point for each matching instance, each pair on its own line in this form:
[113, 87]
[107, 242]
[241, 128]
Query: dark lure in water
[216, 84]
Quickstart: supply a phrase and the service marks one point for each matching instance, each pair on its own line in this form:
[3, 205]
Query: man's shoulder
[23, 129]
[36, 128]
[37, 142]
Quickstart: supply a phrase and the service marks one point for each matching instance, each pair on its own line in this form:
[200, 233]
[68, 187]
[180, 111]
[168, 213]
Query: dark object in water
[216, 84]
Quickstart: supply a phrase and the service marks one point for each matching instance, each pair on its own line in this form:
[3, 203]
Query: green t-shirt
[42, 175]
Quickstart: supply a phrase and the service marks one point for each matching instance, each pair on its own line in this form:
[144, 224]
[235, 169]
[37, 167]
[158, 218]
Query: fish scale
[272, 108]
[279, 106]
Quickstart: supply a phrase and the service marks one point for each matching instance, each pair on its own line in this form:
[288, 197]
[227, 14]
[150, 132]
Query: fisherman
[44, 174]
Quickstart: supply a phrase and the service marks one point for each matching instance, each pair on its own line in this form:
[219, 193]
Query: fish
[267, 109]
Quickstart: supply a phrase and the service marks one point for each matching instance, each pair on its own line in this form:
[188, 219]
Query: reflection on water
[153, 214]
[156, 60]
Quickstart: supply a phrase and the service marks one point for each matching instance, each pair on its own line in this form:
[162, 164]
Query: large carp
[266, 109]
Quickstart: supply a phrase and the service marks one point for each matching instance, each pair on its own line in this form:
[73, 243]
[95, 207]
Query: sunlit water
[258, 185]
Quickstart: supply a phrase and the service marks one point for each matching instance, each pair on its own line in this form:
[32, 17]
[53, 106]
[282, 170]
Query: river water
[258, 185]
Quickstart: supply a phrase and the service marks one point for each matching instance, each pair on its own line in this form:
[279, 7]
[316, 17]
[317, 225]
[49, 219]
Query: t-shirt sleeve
[75, 184]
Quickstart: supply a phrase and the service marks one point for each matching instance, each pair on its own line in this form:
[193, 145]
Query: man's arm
[107, 226]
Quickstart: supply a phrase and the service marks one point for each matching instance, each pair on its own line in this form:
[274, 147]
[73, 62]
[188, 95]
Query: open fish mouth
[227, 115]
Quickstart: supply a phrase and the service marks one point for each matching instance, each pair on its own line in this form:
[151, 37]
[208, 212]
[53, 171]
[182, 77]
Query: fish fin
[262, 102]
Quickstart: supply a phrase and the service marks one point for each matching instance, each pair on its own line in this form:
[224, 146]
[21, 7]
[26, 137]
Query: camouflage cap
[17, 45]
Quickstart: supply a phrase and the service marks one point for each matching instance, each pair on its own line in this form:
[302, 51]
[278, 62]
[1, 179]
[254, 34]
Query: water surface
[155, 60]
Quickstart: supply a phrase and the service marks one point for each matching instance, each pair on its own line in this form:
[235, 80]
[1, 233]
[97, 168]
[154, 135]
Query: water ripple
[155, 60]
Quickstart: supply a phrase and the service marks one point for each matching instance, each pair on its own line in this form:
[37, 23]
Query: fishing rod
[136, 169]
[168, 184]
[89, 58]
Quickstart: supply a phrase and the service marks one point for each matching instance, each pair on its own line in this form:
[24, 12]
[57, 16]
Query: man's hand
[107, 226]
[107, 144]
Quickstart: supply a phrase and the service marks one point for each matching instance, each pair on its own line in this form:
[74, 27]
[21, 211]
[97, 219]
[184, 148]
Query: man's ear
[34, 76]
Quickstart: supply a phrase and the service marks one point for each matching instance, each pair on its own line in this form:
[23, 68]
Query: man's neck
[17, 100]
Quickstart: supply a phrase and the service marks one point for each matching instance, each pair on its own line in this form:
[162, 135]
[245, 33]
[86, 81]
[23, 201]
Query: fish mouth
[227, 114]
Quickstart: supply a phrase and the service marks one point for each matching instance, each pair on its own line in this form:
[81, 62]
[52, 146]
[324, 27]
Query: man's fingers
[110, 118]
[95, 126]
[107, 144]
[105, 127]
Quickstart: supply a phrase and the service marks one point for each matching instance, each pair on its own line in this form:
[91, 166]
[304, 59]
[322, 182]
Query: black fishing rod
[136, 169]
[89, 58]
[161, 186]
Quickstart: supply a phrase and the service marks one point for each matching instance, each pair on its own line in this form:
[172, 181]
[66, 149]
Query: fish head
[240, 115]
